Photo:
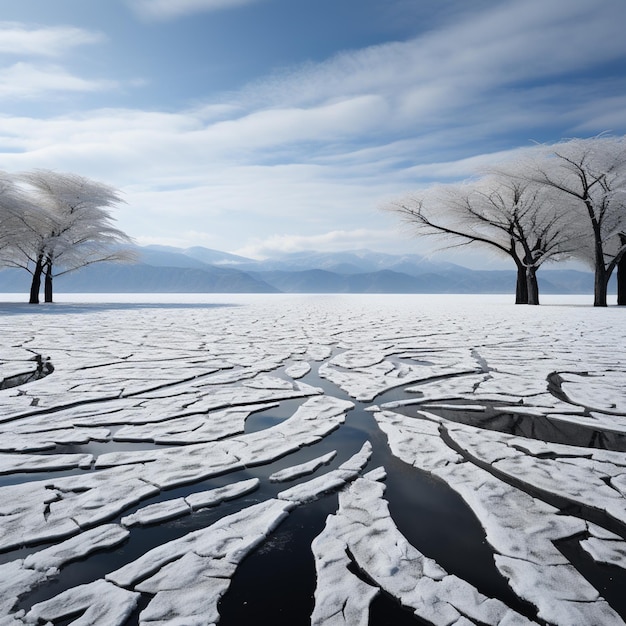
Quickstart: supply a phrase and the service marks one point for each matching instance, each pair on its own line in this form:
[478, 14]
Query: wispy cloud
[458, 64]
[324, 242]
[18, 39]
[28, 81]
[170, 9]
[39, 76]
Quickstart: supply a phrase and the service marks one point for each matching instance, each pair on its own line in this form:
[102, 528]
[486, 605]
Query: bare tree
[511, 216]
[589, 175]
[66, 225]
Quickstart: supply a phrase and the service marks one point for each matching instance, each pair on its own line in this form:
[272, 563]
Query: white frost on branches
[54, 223]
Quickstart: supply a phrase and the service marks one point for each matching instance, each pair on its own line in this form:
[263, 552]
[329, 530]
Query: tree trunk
[521, 288]
[533, 285]
[621, 275]
[47, 289]
[600, 285]
[36, 282]
[621, 281]
[600, 282]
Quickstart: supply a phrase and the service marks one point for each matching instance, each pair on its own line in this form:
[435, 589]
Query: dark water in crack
[495, 417]
[276, 581]
[432, 517]
[607, 579]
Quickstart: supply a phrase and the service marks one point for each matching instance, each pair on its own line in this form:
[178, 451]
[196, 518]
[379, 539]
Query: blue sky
[263, 126]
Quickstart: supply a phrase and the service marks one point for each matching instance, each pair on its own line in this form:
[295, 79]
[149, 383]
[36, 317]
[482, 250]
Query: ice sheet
[136, 415]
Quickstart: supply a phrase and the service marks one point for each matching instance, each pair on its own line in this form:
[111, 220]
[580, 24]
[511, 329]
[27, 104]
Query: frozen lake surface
[311, 459]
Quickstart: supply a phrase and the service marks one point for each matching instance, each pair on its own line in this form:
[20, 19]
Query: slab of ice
[341, 598]
[312, 489]
[31, 440]
[372, 540]
[500, 386]
[213, 497]
[601, 533]
[187, 571]
[522, 530]
[601, 391]
[158, 512]
[170, 509]
[193, 605]
[378, 473]
[584, 484]
[595, 420]
[365, 383]
[578, 479]
[43, 510]
[15, 581]
[39, 462]
[361, 358]
[101, 604]
[12, 619]
[557, 592]
[295, 471]
[77, 547]
[23, 512]
[415, 441]
[229, 397]
[515, 523]
[100, 502]
[19, 577]
[318, 352]
[269, 382]
[189, 575]
[610, 551]
[315, 418]
[298, 369]
[230, 538]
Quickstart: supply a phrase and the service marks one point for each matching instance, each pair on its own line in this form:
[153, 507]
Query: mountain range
[164, 269]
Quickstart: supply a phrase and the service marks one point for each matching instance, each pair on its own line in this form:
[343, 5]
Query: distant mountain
[388, 281]
[352, 262]
[203, 270]
[160, 256]
[143, 278]
[215, 257]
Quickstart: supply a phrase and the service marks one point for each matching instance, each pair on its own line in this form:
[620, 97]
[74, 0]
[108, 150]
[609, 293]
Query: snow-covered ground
[155, 454]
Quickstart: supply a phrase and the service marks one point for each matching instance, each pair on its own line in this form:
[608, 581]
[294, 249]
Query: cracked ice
[212, 427]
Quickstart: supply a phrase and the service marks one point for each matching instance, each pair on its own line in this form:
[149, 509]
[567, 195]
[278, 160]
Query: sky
[258, 127]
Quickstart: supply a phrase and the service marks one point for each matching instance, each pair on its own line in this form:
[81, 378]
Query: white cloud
[31, 79]
[168, 9]
[332, 241]
[20, 39]
[462, 63]
[607, 114]
[25, 80]
[283, 125]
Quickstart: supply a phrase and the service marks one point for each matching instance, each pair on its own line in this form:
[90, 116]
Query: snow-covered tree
[589, 177]
[66, 225]
[512, 217]
[15, 209]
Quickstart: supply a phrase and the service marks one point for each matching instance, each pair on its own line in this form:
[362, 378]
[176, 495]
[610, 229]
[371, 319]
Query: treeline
[555, 202]
[53, 223]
